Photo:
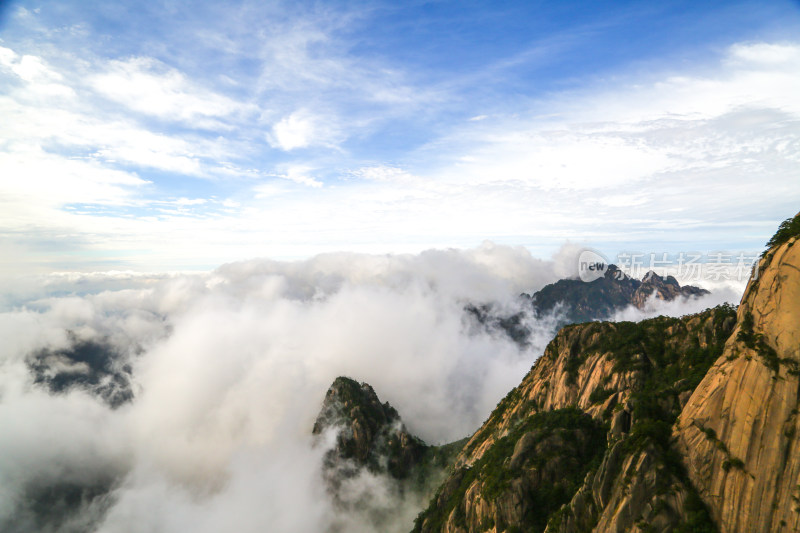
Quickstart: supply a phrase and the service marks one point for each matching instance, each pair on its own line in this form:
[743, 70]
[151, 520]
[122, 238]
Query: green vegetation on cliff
[561, 446]
[789, 228]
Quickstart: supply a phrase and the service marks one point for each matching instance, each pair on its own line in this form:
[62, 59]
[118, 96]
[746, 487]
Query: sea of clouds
[227, 371]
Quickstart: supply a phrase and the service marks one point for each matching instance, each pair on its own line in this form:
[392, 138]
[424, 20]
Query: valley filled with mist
[186, 402]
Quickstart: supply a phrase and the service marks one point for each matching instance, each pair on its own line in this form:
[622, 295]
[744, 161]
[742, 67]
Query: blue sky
[181, 135]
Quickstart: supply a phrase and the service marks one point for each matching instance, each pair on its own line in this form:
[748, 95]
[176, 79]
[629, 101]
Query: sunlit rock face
[738, 433]
[584, 442]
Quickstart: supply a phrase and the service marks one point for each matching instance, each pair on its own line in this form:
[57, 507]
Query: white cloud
[230, 369]
[151, 87]
[308, 56]
[770, 54]
[679, 307]
[301, 174]
[109, 140]
[40, 78]
[294, 131]
[643, 154]
[561, 160]
[383, 173]
[55, 152]
[647, 153]
[36, 178]
[302, 129]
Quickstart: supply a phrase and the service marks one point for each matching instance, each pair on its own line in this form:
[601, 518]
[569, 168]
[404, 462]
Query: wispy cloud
[299, 120]
[148, 86]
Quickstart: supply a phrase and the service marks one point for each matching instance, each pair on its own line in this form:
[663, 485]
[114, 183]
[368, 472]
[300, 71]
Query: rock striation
[738, 434]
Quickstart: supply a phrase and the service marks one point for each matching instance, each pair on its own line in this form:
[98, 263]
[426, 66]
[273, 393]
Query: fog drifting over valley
[190, 402]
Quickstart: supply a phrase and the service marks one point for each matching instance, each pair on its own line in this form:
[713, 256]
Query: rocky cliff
[584, 442]
[738, 433]
[667, 425]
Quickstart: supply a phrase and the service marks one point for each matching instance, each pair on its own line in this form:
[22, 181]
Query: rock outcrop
[738, 433]
[375, 470]
[369, 434]
[607, 395]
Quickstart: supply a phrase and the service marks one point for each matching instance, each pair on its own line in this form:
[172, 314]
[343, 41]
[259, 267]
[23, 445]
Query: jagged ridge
[601, 298]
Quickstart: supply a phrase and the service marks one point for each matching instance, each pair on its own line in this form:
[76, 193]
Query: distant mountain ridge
[582, 301]
[573, 301]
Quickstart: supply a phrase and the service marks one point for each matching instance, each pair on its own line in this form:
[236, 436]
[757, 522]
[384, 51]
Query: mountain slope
[627, 381]
[701, 417]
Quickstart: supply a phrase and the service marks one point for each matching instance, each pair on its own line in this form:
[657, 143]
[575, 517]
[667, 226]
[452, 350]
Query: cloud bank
[227, 371]
[185, 402]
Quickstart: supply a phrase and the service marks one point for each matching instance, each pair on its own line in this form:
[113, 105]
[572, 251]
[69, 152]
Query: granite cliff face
[738, 433]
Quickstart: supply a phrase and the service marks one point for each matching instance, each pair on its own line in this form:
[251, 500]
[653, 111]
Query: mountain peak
[370, 434]
[651, 276]
[602, 297]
